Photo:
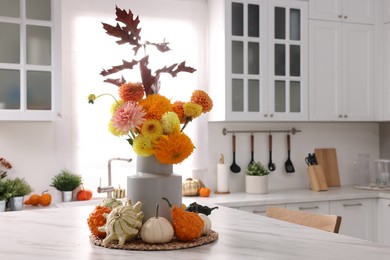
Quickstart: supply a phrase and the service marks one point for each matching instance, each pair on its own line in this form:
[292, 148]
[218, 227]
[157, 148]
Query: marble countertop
[62, 233]
[292, 196]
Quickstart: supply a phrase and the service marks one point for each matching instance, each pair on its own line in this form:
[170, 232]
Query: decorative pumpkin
[190, 187]
[204, 192]
[206, 222]
[96, 220]
[187, 226]
[111, 203]
[123, 223]
[32, 200]
[156, 230]
[45, 198]
[84, 194]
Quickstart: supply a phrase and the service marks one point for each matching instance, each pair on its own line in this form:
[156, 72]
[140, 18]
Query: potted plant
[5, 193]
[19, 188]
[66, 182]
[256, 178]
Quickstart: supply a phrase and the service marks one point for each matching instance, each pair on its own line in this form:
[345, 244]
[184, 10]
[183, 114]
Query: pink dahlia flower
[128, 117]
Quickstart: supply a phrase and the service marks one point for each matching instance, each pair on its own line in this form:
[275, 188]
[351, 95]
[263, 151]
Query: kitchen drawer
[260, 209]
[321, 207]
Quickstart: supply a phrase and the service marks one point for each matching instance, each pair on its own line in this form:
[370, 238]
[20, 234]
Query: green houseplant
[5, 193]
[19, 188]
[256, 179]
[66, 182]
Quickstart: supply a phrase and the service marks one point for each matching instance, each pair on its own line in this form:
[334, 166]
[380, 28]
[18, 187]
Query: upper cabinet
[258, 53]
[341, 61]
[29, 59]
[351, 11]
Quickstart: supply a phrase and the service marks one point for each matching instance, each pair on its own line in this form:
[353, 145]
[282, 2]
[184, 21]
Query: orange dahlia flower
[177, 107]
[174, 148]
[202, 98]
[155, 106]
[131, 91]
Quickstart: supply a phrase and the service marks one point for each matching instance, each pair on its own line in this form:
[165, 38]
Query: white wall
[349, 139]
[39, 150]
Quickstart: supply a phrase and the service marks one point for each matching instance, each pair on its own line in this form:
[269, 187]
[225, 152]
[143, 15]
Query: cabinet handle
[388, 205]
[345, 16]
[340, 116]
[271, 115]
[340, 16]
[352, 205]
[265, 115]
[258, 211]
[308, 208]
[345, 116]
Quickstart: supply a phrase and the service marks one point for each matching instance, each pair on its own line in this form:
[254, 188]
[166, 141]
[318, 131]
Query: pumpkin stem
[196, 208]
[169, 204]
[43, 192]
[157, 206]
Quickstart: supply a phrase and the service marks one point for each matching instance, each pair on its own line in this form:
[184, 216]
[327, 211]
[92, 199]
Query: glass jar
[382, 172]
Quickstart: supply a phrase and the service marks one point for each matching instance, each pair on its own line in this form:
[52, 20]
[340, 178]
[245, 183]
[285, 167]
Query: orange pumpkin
[84, 194]
[204, 192]
[45, 199]
[96, 220]
[32, 200]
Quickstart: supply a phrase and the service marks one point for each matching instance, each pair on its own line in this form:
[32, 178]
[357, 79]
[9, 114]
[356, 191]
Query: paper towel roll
[222, 178]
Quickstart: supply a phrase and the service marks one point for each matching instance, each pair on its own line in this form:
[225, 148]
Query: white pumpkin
[207, 223]
[156, 230]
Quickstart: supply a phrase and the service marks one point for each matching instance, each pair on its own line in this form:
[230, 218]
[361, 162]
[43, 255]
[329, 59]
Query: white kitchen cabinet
[384, 221]
[386, 11]
[30, 63]
[341, 71]
[260, 209]
[351, 11]
[258, 53]
[386, 69]
[320, 207]
[358, 217]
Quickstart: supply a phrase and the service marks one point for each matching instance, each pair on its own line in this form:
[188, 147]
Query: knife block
[317, 178]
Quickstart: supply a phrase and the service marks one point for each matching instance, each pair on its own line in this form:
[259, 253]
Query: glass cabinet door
[289, 46]
[27, 60]
[247, 43]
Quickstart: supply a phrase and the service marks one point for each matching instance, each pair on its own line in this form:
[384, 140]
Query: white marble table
[62, 233]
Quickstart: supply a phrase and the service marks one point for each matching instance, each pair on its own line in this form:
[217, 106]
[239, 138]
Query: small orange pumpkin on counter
[35, 199]
[204, 192]
[84, 194]
[45, 199]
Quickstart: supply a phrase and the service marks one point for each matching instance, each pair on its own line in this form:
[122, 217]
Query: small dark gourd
[194, 207]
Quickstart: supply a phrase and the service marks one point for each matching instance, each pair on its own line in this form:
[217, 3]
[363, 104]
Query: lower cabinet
[320, 207]
[384, 221]
[357, 217]
[260, 209]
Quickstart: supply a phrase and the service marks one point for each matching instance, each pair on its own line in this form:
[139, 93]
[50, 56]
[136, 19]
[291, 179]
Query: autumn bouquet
[151, 122]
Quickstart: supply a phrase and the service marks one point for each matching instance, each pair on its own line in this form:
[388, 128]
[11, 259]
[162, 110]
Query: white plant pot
[67, 196]
[256, 184]
[2, 205]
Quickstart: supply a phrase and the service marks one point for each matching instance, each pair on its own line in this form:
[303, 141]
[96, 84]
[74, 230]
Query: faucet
[109, 189]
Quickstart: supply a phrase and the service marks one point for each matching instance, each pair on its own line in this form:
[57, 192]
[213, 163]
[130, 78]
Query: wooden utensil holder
[317, 178]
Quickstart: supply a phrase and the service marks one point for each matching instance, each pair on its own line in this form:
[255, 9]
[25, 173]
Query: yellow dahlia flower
[192, 110]
[142, 146]
[170, 123]
[152, 129]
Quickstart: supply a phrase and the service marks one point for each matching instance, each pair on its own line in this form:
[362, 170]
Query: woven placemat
[173, 245]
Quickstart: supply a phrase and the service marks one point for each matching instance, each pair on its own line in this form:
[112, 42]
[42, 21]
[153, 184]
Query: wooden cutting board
[327, 158]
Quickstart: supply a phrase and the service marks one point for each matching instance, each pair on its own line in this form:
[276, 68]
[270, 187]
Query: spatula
[288, 164]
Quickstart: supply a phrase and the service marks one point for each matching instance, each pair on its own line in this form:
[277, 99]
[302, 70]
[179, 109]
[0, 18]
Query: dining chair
[330, 223]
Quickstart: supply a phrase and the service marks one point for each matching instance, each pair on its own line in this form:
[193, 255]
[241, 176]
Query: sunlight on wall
[93, 50]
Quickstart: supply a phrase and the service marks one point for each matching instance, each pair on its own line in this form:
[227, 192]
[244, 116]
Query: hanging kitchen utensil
[271, 165]
[234, 167]
[288, 164]
[252, 149]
